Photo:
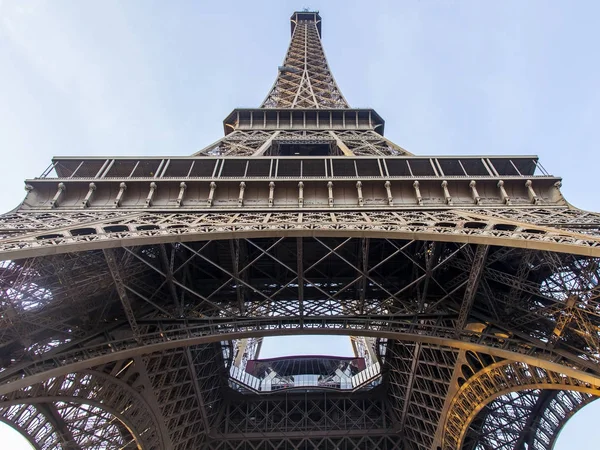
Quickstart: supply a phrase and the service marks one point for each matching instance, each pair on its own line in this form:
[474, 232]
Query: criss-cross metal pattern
[134, 292]
[304, 80]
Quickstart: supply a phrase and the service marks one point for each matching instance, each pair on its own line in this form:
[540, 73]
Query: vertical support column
[271, 193]
[197, 390]
[300, 271]
[363, 264]
[151, 194]
[532, 195]
[211, 194]
[59, 193]
[477, 269]
[182, 188]
[474, 193]
[418, 193]
[119, 198]
[111, 260]
[447, 195]
[86, 201]
[234, 246]
[503, 194]
[388, 189]
[122, 188]
[360, 193]
[241, 196]
[330, 193]
[300, 194]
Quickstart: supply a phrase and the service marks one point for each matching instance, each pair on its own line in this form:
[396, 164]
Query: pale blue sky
[448, 76]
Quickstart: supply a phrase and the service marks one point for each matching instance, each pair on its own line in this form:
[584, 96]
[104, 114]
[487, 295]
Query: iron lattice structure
[135, 292]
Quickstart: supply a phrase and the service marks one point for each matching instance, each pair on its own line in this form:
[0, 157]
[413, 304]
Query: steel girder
[419, 378]
[270, 294]
[306, 421]
[188, 384]
[307, 442]
[257, 143]
[413, 291]
[555, 229]
[119, 322]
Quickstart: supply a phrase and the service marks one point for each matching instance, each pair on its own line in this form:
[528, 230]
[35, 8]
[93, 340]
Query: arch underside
[89, 409]
[62, 425]
[118, 310]
[166, 307]
[533, 418]
[512, 405]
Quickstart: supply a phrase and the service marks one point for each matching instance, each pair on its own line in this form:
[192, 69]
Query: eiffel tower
[136, 292]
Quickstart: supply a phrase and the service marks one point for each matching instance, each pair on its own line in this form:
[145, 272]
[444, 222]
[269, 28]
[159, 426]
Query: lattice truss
[488, 411]
[419, 379]
[89, 409]
[309, 420]
[368, 143]
[168, 399]
[188, 386]
[304, 80]
[150, 300]
[118, 329]
[563, 229]
[81, 426]
[260, 142]
[532, 418]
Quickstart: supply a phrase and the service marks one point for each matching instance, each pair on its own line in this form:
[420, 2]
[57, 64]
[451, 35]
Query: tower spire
[135, 291]
[305, 80]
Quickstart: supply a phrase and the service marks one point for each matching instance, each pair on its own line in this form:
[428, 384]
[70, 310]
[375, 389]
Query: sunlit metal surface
[135, 293]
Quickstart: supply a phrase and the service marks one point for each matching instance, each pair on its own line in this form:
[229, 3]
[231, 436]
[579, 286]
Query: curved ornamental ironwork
[135, 292]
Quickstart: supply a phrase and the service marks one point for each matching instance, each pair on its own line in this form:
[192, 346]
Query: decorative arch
[65, 424]
[57, 412]
[74, 363]
[32, 424]
[460, 226]
[530, 419]
[500, 379]
[557, 413]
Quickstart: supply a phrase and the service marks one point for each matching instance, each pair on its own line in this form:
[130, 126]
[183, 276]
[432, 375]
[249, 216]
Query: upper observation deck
[306, 178]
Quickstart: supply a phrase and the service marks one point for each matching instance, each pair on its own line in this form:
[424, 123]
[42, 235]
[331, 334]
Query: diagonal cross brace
[197, 389]
[111, 260]
[477, 268]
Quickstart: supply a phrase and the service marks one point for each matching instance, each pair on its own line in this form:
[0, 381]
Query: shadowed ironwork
[135, 292]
